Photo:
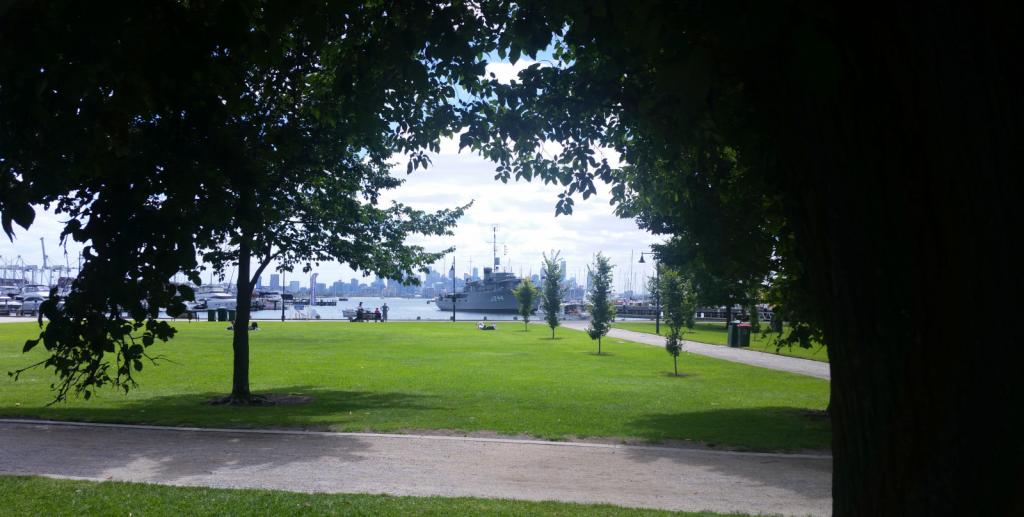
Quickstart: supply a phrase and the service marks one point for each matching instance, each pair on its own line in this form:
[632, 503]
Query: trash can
[231, 314]
[743, 331]
[211, 315]
[222, 314]
[733, 336]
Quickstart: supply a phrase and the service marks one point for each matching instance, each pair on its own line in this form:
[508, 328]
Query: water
[399, 309]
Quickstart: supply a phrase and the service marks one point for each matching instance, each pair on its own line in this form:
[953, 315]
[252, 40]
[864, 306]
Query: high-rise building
[259, 282]
[563, 269]
[294, 286]
[275, 281]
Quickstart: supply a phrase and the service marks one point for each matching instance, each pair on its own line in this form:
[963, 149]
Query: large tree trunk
[240, 344]
[905, 162]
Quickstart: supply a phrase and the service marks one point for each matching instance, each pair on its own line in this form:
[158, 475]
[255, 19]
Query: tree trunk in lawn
[906, 171]
[240, 344]
[728, 315]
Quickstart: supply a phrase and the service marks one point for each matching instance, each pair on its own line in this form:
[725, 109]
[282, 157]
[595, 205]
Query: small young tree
[526, 294]
[551, 298]
[602, 312]
[674, 293]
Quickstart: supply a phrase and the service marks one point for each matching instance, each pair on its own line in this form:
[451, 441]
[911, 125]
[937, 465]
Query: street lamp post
[453, 288]
[657, 293]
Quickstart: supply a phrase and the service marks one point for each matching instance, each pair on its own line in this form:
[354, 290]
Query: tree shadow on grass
[774, 429]
[778, 429]
[679, 375]
[328, 407]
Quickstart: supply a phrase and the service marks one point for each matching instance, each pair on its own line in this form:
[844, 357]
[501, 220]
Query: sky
[523, 212]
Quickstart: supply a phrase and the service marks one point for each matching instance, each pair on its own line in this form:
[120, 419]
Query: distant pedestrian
[384, 312]
[376, 314]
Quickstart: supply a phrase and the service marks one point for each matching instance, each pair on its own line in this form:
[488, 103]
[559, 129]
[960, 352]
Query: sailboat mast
[629, 280]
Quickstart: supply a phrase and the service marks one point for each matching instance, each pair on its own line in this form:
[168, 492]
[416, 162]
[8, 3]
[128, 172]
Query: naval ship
[491, 294]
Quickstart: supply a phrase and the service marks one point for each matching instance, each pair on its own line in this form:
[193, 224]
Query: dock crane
[46, 265]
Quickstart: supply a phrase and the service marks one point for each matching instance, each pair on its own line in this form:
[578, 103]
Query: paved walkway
[17, 319]
[817, 369]
[653, 477]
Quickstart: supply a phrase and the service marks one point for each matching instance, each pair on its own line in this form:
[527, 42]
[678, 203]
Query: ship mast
[494, 248]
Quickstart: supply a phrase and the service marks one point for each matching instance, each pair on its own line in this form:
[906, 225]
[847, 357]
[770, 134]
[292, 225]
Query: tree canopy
[171, 131]
[872, 153]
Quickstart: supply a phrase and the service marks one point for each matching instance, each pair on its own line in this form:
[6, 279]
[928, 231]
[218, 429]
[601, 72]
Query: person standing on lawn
[384, 313]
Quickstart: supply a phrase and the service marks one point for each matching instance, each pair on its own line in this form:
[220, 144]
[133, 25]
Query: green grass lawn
[32, 496]
[715, 334]
[403, 377]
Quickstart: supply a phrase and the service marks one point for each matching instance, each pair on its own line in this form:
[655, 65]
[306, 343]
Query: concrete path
[18, 319]
[817, 369]
[652, 477]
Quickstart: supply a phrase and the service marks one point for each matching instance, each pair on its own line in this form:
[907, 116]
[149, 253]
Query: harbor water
[398, 309]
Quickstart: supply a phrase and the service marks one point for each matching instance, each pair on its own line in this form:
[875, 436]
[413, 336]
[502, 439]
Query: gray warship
[493, 293]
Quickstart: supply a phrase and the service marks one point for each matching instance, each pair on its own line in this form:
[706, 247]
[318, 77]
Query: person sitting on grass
[254, 326]
[376, 314]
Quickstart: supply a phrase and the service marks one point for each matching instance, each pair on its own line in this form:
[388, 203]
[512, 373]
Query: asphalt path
[783, 363]
[636, 476]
